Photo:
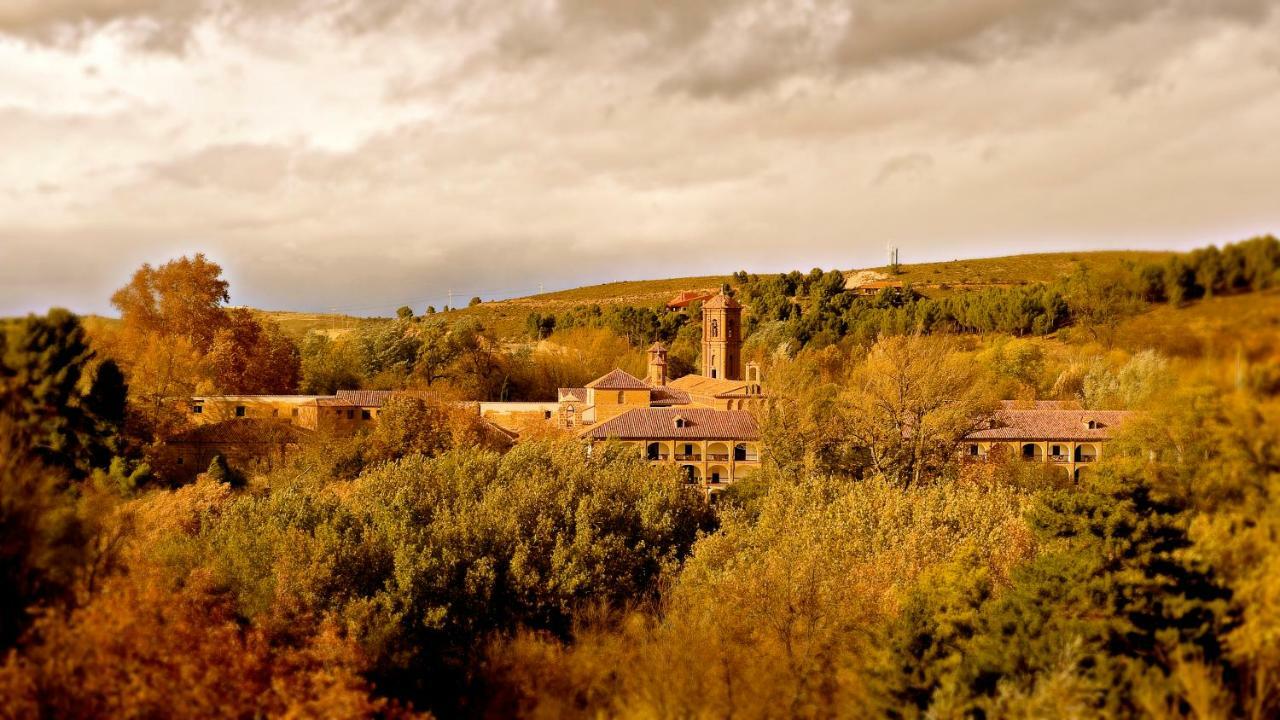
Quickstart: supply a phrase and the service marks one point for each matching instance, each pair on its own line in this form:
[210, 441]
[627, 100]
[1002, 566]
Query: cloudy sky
[363, 155]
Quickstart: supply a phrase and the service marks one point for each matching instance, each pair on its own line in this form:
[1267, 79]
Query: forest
[867, 570]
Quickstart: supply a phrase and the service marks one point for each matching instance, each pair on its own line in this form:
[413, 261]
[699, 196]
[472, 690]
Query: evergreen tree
[68, 408]
[1115, 577]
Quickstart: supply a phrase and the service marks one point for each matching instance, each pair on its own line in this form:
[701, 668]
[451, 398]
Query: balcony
[1087, 459]
[658, 456]
[692, 456]
[1060, 458]
[724, 457]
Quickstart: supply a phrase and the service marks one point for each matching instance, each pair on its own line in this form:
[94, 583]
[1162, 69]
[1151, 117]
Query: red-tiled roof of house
[575, 394]
[1040, 405]
[687, 298]
[667, 395]
[376, 398]
[1052, 425]
[618, 380]
[721, 301]
[715, 387]
[657, 346]
[660, 424]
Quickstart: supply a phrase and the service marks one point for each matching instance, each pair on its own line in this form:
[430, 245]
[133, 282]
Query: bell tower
[722, 338]
[657, 374]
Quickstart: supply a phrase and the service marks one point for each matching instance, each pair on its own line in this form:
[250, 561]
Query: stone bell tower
[657, 374]
[722, 338]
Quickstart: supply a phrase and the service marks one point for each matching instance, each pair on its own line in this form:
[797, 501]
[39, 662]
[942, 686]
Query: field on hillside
[1013, 269]
[507, 317]
[1220, 327]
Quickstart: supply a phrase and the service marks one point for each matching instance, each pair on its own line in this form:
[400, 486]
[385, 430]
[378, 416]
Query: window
[239, 411]
[688, 449]
[715, 328]
[197, 409]
[546, 414]
[366, 415]
[679, 422]
[621, 397]
[181, 459]
[351, 414]
[973, 449]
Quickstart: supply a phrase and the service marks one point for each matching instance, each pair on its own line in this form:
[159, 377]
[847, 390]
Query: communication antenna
[450, 305]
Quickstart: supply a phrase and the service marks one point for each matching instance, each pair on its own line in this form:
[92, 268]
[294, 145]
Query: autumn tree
[182, 298]
[911, 403]
[251, 356]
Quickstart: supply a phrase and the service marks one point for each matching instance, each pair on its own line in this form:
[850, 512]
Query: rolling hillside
[507, 317]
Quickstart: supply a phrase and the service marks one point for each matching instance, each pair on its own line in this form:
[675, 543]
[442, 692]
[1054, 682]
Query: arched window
[715, 328]
[621, 397]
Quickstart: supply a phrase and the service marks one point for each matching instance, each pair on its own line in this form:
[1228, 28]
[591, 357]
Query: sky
[359, 156]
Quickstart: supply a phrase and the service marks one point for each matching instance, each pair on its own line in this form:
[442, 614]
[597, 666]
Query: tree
[1102, 299]
[911, 403]
[474, 302]
[181, 298]
[41, 540]
[404, 312]
[67, 406]
[1115, 577]
[328, 365]
[253, 357]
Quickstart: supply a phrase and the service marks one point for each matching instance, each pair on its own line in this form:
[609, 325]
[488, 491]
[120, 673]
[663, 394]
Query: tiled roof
[1040, 405]
[334, 402]
[376, 398]
[1051, 425]
[667, 395]
[721, 301]
[618, 380]
[703, 385]
[577, 394]
[660, 424]
[687, 297]
[657, 346]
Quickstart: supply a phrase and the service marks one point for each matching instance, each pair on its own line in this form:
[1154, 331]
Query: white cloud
[352, 154]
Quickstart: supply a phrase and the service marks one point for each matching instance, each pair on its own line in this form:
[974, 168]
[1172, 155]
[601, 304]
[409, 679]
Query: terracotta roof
[1051, 425]
[703, 385]
[578, 394]
[688, 297]
[376, 398]
[667, 395]
[1040, 405]
[242, 431]
[721, 301]
[657, 346]
[334, 401]
[660, 424]
[618, 380]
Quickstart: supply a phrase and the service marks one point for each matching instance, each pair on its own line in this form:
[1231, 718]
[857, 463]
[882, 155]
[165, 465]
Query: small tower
[722, 338]
[657, 374]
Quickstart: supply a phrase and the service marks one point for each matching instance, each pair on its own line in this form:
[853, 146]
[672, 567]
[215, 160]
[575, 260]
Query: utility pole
[450, 305]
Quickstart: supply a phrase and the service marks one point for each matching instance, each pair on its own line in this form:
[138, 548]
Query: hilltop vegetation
[866, 570]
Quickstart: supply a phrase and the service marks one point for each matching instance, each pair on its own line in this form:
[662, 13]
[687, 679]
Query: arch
[657, 451]
[718, 451]
[1086, 453]
[717, 474]
[1033, 452]
[742, 473]
[746, 452]
[691, 473]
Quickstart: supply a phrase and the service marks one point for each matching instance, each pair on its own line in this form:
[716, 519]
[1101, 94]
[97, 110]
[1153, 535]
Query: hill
[507, 317]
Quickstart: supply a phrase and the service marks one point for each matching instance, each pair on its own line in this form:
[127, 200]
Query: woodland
[418, 570]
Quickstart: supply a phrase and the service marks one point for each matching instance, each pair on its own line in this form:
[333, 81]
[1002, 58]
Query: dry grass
[1215, 328]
